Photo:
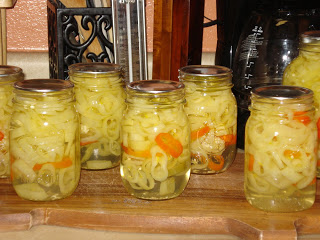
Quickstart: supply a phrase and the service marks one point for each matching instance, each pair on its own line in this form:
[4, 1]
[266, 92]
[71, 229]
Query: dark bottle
[268, 43]
[231, 17]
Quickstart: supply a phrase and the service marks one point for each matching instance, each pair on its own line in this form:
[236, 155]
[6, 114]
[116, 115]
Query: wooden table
[211, 204]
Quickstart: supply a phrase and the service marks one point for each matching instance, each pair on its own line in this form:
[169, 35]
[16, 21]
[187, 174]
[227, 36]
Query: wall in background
[27, 26]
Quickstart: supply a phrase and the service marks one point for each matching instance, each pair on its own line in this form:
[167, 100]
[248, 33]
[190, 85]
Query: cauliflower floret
[212, 143]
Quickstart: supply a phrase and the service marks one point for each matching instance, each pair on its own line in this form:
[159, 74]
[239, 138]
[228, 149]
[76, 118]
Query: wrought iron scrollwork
[77, 29]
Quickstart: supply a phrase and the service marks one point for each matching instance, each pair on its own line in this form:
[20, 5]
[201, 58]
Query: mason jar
[280, 149]
[304, 71]
[44, 140]
[100, 102]
[212, 111]
[8, 75]
[155, 162]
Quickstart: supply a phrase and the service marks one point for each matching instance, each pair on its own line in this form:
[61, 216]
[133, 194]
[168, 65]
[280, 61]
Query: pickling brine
[280, 149]
[212, 111]
[44, 140]
[8, 75]
[100, 101]
[155, 161]
[304, 71]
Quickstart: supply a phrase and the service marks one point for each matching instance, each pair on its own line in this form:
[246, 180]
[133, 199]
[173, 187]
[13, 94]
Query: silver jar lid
[310, 37]
[6, 70]
[155, 86]
[43, 85]
[310, 41]
[282, 92]
[95, 68]
[205, 70]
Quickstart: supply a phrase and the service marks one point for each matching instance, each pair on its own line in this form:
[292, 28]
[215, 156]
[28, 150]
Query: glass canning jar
[100, 100]
[8, 75]
[280, 149]
[304, 71]
[44, 140]
[155, 161]
[212, 111]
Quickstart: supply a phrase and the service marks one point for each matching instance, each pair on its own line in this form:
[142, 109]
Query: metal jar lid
[282, 92]
[205, 70]
[310, 37]
[43, 85]
[6, 70]
[155, 86]
[94, 68]
[310, 41]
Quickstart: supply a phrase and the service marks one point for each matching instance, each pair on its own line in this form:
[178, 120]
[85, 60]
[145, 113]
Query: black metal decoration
[66, 43]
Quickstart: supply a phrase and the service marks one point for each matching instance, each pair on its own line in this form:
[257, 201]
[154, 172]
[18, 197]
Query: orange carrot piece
[200, 132]
[302, 117]
[229, 139]
[216, 165]
[64, 163]
[292, 154]
[251, 162]
[313, 181]
[318, 127]
[11, 159]
[130, 151]
[318, 163]
[169, 144]
[1, 136]
[87, 143]
[37, 166]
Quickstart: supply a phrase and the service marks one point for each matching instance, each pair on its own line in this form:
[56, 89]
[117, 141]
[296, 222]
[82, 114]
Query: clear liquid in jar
[171, 188]
[282, 201]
